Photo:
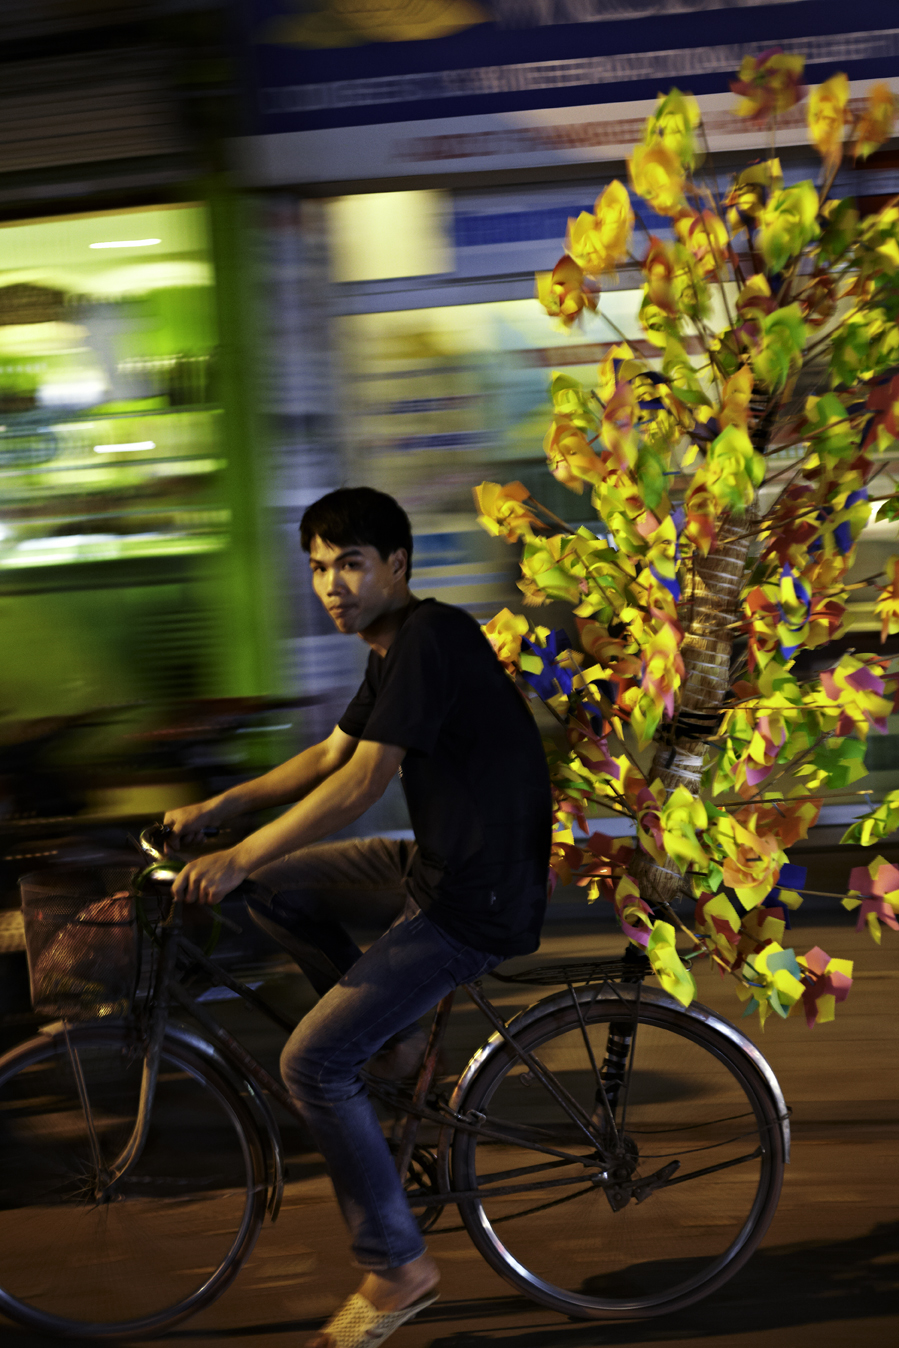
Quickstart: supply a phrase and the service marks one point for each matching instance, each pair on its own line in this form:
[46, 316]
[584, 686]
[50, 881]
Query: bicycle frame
[418, 1109]
[597, 1165]
[167, 988]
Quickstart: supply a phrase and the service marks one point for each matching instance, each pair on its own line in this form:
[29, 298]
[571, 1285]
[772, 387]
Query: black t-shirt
[475, 777]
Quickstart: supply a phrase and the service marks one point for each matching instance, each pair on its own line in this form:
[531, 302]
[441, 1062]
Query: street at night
[826, 1273]
[449, 493]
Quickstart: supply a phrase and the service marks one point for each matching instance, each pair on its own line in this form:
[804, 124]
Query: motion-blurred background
[252, 251]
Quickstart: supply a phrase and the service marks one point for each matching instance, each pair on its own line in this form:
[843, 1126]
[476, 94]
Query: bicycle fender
[626, 993]
[259, 1105]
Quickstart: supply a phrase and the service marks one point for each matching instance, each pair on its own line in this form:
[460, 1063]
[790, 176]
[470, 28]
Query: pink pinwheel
[883, 401]
[874, 890]
[770, 84]
[602, 860]
[826, 981]
[767, 741]
[861, 696]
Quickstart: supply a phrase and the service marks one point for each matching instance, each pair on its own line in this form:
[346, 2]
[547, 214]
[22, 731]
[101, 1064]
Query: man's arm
[287, 782]
[339, 799]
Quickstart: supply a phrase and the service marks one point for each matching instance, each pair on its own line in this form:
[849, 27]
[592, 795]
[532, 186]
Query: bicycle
[611, 1154]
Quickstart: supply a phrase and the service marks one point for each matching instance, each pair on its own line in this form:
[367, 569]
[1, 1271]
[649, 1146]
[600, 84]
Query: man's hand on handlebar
[192, 824]
[209, 879]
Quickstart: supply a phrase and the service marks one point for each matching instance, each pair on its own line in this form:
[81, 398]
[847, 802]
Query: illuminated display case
[118, 472]
[110, 444]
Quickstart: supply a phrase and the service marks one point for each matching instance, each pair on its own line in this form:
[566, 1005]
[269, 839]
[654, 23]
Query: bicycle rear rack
[632, 967]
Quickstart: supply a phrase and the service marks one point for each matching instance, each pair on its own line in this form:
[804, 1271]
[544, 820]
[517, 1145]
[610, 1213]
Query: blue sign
[316, 64]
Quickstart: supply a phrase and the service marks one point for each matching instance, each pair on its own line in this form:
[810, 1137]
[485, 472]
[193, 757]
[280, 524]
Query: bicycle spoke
[540, 1207]
[510, 1131]
[607, 1109]
[630, 1062]
[685, 1127]
[81, 1085]
[544, 1207]
[496, 1176]
[713, 1169]
[692, 1151]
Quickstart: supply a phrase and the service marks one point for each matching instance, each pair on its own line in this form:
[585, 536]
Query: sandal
[359, 1325]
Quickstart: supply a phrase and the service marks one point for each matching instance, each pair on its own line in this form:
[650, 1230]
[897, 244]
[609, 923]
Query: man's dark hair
[358, 515]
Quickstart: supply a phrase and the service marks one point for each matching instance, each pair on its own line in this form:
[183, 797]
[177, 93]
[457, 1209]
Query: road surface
[827, 1274]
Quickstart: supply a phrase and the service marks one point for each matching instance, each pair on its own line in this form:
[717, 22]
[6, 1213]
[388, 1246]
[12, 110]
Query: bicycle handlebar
[162, 869]
[148, 845]
[156, 852]
[165, 869]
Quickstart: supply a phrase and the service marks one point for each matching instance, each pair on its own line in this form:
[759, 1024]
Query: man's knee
[314, 1069]
[297, 1072]
[279, 911]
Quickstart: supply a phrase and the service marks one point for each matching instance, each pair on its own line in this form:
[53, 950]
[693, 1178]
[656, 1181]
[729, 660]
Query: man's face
[355, 584]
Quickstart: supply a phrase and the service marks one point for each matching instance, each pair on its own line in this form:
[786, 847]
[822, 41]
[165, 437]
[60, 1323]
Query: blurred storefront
[131, 571]
[135, 571]
[129, 553]
[115, 500]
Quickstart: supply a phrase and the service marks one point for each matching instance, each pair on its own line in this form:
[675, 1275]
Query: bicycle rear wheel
[177, 1227]
[693, 1097]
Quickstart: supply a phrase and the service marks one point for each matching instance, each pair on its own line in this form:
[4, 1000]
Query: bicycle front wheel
[692, 1097]
[171, 1234]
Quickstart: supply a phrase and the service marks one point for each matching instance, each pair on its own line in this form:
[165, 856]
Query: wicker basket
[82, 941]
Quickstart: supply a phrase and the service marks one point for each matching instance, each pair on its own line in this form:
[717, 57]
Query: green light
[126, 243]
[129, 448]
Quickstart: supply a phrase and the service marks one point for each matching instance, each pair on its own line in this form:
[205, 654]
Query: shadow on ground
[812, 1282]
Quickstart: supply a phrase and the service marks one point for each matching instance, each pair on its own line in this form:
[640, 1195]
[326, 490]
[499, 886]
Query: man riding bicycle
[436, 706]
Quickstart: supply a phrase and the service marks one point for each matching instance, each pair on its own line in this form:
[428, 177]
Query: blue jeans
[380, 996]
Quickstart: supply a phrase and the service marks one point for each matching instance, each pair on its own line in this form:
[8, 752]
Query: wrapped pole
[711, 605]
